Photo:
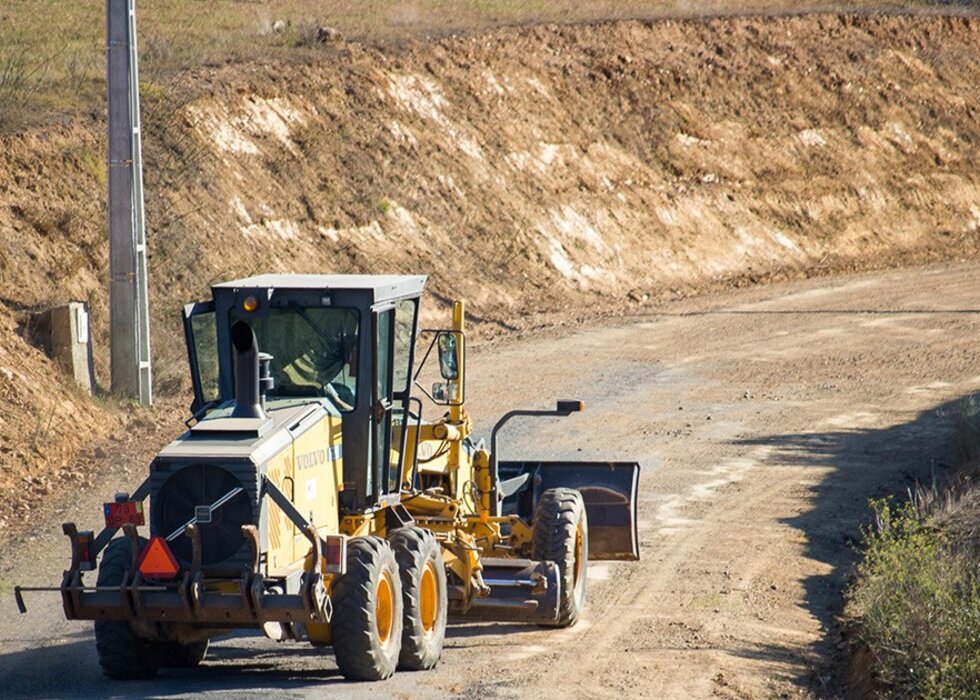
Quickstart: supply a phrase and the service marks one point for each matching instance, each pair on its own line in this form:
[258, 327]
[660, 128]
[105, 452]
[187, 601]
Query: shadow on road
[865, 464]
[233, 665]
[241, 664]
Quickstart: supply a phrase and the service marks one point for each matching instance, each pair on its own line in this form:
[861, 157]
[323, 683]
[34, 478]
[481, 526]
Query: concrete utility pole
[128, 304]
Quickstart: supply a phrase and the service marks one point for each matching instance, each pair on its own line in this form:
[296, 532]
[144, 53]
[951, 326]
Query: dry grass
[52, 52]
[917, 606]
[916, 601]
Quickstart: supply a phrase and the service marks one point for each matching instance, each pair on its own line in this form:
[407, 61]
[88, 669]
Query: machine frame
[381, 467]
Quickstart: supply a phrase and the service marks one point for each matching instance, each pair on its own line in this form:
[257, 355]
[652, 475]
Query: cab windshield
[314, 351]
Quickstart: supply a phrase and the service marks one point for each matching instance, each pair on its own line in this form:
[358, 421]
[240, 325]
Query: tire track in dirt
[753, 644]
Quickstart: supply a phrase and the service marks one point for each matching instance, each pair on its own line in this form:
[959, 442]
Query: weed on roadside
[917, 603]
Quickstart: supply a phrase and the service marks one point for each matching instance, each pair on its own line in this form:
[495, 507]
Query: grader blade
[608, 488]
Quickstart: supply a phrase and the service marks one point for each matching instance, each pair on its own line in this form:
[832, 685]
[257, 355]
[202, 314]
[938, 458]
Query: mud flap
[608, 488]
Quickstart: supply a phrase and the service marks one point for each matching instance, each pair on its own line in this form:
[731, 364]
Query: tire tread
[556, 517]
[122, 654]
[413, 547]
[353, 636]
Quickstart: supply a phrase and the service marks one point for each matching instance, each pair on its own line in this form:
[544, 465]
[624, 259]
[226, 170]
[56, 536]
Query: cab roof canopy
[383, 287]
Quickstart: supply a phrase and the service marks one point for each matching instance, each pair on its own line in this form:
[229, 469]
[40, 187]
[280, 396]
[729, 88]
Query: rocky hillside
[542, 173]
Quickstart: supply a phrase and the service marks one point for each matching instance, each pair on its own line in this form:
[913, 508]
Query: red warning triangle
[157, 561]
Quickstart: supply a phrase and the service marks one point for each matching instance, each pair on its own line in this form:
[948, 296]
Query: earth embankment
[542, 173]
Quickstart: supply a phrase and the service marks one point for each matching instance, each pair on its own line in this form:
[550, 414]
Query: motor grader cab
[310, 498]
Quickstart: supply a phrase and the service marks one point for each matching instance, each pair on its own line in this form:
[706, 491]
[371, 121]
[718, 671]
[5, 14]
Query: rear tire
[367, 617]
[561, 534]
[424, 592]
[123, 654]
[177, 655]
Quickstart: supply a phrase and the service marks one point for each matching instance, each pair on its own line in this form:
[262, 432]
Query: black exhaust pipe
[248, 399]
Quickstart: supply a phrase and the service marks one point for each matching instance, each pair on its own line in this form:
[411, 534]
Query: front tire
[561, 534]
[367, 618]
[425, 597]
[123, 654]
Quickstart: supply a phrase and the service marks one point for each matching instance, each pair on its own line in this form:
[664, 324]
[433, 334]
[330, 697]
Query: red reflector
[84, 545]
[157, 561]
[335, 553]
[122, 513]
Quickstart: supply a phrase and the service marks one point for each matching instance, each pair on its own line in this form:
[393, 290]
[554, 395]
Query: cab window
[314, 351]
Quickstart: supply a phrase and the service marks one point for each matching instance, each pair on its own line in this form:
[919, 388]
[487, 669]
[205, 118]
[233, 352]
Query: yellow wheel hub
[384, 607]
[429, 597]
[578, 554]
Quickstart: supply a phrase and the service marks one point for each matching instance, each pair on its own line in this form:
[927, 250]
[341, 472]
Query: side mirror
[448, 356]
[449, 348]
[445, 392]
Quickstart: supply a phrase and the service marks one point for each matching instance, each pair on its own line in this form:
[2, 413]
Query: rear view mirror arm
[563, 408]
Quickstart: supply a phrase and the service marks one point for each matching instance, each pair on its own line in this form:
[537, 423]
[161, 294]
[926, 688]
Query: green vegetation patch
[917, 601]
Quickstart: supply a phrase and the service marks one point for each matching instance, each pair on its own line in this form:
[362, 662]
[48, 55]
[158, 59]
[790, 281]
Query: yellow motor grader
[311, 499]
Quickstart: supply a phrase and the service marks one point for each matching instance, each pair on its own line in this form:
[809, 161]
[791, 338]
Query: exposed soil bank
[543, 173]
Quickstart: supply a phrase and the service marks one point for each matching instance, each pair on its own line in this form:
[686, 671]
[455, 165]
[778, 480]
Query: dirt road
[763, 420]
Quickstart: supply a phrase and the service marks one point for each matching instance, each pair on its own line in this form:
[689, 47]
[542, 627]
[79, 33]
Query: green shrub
[917, 601]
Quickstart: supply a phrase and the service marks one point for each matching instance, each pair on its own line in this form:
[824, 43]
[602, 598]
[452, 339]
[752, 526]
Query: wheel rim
[384, 607]
[579, 544]
[429, 597]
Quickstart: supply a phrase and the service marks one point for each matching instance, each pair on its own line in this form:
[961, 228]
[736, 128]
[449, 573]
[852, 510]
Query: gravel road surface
[763, 420]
